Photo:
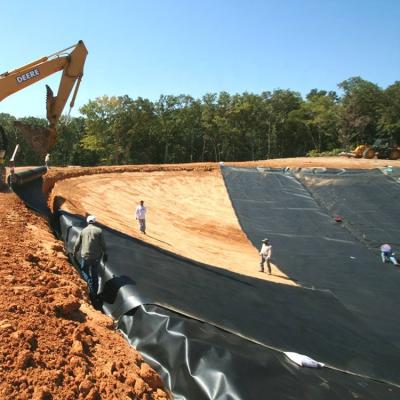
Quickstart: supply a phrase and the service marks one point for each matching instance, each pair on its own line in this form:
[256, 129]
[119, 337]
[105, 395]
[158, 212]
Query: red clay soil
[53, 344]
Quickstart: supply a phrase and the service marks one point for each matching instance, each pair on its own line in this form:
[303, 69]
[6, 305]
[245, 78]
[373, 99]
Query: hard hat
[386, 247]
[265, 240]
[91, 219]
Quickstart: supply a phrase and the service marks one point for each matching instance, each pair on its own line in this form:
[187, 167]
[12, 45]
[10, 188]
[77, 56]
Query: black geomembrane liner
[309, 246]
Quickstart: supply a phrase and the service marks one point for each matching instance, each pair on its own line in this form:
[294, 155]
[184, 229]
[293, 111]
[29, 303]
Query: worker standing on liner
[140, 215]
[93, 248]
[265, 253]
[47, 160]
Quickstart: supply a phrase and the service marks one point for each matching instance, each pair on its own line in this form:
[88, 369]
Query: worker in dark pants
[93, 249]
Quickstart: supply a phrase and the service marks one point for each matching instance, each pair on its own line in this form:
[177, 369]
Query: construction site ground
[54, 344]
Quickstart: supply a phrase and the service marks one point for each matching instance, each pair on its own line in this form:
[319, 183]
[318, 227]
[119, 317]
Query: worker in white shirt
[141, 216]
[47, 160]
[265, 253]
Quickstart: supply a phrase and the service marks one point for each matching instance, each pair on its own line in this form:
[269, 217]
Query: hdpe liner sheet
[200, 361]
[368, 201]
[28, 186]
[309, 246]
[284, 317]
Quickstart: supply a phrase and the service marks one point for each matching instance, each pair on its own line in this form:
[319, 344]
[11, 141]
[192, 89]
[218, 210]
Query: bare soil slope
[53, 344]
[189, 213]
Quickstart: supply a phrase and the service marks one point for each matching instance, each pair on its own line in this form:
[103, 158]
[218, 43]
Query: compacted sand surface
[189, 213]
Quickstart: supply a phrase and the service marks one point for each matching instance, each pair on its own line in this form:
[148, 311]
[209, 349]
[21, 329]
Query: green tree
[389, 122]
[209, 150]
[7, 122]
[360, 111]
[103, 134]
[168, 110]
[281, 137]
[319, 115]
[68, 149]
[246, 118]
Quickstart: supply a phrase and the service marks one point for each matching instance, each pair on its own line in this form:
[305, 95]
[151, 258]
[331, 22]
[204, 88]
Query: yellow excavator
[384, 148]
[71, 62]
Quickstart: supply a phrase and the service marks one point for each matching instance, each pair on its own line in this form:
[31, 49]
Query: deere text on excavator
[71, 62]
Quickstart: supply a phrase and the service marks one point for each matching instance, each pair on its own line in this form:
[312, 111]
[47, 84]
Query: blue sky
[148, 48]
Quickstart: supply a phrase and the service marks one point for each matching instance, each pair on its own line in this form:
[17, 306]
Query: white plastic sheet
[303, 361]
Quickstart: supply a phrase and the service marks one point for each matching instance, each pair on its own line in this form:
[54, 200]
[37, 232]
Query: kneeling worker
[387, 254]
[93, 248]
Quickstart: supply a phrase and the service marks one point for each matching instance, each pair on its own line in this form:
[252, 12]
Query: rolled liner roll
[21, 178]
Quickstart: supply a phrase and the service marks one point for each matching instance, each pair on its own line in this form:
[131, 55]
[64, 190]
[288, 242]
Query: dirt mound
[54, 345]
[55, 174]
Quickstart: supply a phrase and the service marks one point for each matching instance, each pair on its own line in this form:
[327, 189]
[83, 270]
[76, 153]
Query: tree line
[216, 127]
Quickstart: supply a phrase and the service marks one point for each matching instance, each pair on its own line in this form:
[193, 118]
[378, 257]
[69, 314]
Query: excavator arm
[71, 62]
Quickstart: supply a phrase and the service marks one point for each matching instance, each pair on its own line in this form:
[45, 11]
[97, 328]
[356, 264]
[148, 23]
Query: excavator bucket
[40, 139]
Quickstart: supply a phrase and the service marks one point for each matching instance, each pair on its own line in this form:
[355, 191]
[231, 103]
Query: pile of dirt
[56, 174]
[53, 344]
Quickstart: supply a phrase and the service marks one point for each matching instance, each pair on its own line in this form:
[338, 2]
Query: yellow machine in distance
[381, 148]
[71, 62]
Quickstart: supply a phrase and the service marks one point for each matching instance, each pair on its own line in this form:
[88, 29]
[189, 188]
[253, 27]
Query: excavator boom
[71, 62]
